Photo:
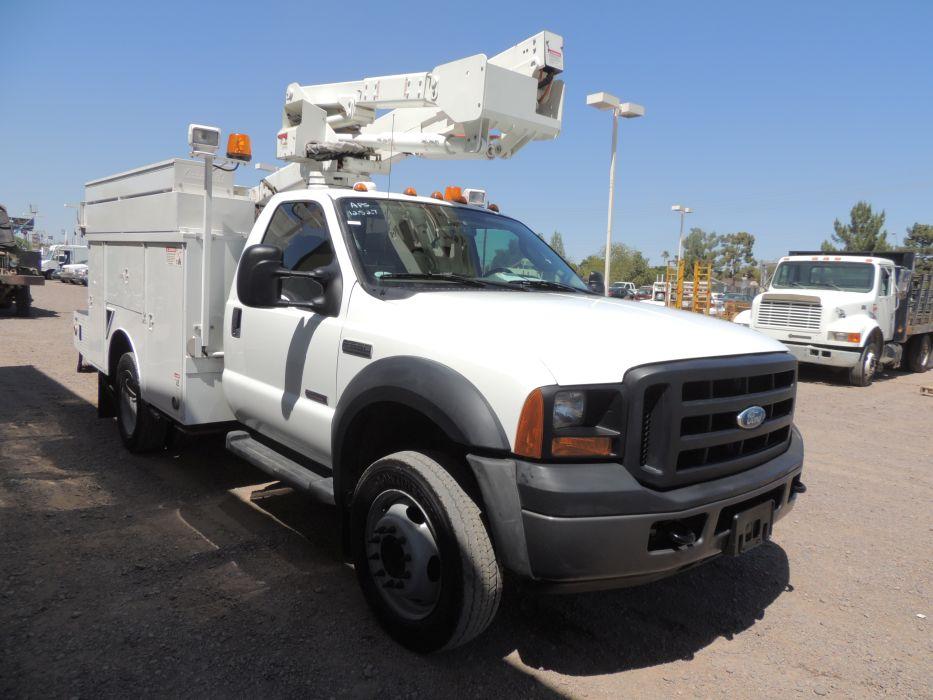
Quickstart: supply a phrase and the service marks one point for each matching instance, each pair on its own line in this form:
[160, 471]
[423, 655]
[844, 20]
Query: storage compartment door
[125, 276]
[96, 317]
[163, 366]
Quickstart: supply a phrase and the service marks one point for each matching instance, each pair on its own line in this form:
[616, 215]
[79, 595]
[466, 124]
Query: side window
[885, 282]
[300, 230]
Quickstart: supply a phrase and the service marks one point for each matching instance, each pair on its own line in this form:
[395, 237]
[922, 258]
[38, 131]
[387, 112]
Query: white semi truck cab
[856, 311]
[413, 360]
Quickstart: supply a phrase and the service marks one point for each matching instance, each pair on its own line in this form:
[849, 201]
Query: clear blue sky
[772, 118]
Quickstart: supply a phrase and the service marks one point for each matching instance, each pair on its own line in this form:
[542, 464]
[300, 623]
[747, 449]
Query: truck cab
[850, 311]
[429, 366]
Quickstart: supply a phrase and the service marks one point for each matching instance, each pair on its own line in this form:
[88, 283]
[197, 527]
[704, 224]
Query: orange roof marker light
[454, 194]
[493, 207]
[436, 195]
[360, 187]
[411, 192]
[238, 147]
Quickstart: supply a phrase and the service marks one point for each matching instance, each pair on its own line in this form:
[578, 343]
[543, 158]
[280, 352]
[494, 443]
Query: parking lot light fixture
[626, 110]
[680, 242]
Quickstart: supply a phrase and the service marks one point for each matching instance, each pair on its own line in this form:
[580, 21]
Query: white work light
[204, 139]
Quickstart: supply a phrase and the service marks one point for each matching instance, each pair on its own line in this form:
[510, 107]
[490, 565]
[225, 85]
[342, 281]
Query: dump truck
[19, 270]
[854, 311]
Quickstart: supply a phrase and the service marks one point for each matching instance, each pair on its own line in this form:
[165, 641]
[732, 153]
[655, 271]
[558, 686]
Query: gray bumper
[594, 526]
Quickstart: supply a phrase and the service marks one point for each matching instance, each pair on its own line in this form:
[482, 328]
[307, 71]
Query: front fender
[863, 325]
[445, 396]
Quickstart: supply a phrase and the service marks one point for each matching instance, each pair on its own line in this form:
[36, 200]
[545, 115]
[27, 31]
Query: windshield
[842, 276]
[414, 242]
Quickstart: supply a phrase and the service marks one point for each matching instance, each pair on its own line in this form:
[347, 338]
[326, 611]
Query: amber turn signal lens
[410, 191]
[581, 447]
[855, 337]
[238, 147]
[530, 433]
[453, 194]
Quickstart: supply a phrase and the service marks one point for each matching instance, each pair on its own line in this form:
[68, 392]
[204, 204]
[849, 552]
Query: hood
[580, 339]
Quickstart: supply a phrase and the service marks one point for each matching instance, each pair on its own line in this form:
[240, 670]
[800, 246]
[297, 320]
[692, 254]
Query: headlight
[569, 408]
[845, 337]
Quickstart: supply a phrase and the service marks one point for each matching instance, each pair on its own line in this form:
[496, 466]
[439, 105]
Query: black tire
[402, 506]
[919, 353]
[141, 429]
[23, 301]
[863, 374]
[47, 274]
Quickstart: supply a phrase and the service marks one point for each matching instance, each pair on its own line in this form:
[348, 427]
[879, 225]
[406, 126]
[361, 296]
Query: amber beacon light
[238, 147]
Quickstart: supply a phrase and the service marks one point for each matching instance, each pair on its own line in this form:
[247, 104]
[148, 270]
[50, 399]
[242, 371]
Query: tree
[736, 258]
[863, 233]
[700, 246]
[625, 265]
[557, 243]
[919, 238]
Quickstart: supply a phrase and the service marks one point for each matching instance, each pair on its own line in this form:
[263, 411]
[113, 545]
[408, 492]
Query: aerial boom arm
[476, 107]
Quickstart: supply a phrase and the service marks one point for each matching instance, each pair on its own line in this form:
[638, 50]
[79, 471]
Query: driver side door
[281, 363]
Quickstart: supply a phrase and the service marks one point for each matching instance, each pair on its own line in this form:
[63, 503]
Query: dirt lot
[185, 574]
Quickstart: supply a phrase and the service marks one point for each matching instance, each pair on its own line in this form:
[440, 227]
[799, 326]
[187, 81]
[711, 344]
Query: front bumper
[823, 355]
[590, 526]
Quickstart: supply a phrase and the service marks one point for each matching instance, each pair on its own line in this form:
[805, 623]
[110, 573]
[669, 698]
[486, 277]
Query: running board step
[321, 488]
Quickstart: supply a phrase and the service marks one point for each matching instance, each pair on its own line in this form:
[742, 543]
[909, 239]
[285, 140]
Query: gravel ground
[187, 574]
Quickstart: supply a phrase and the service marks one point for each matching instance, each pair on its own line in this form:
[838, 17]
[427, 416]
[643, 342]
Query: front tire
[141, 429]
[423, 555]
[863, 374]
[919, 352]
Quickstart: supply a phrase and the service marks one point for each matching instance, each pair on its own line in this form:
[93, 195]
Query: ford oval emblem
[751, 417]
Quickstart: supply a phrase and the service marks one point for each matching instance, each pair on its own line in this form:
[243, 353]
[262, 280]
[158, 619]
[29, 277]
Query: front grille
[686, 416]
[789, 314]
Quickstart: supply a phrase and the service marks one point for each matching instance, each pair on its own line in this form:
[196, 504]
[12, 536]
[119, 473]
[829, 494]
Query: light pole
[680, 242]
[626, 110]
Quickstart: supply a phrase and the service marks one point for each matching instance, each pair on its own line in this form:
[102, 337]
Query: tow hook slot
[676, 534]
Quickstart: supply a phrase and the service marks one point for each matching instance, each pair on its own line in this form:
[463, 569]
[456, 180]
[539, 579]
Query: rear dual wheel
[423, 555]
[919, 353]
[141, 428]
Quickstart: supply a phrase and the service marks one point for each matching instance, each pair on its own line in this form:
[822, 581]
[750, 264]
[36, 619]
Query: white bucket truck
[410, 359]
[856, 311]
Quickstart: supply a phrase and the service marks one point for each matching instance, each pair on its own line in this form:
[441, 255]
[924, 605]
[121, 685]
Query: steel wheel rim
[925, 353]
[402, 554]
[129, 402]
[871, 363]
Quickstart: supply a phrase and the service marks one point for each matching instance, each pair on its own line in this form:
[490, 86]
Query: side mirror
[259, 282]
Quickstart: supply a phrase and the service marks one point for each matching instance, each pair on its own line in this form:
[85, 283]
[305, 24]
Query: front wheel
[422, 554]
[23, 301]
[863, 373]
[919, 352]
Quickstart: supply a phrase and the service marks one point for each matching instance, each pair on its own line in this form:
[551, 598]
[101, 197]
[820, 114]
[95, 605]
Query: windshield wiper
[434, 276]
[545, 284]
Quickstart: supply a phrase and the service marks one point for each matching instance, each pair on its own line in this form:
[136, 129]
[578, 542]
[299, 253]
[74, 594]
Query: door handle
[235, 322]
